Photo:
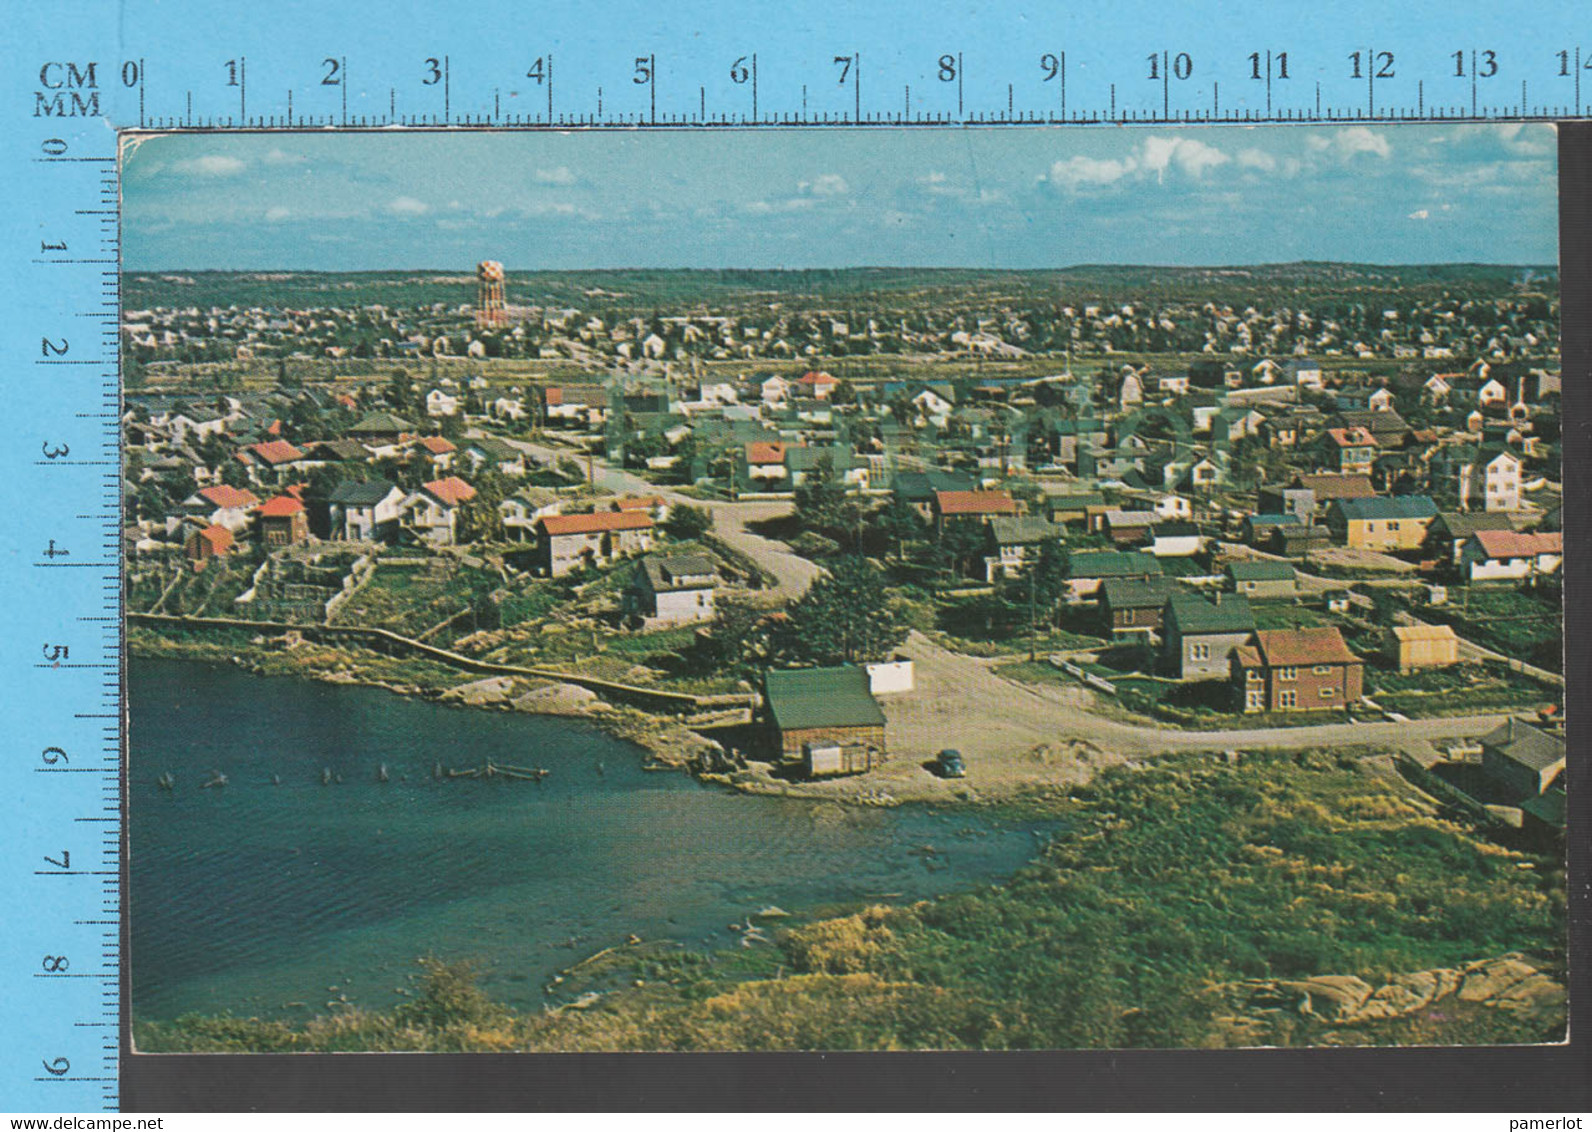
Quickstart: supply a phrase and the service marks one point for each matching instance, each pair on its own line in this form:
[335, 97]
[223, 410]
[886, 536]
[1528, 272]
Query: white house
[672, 589]
[365, 511]
[1494, 555]
[1490, 481]
[432, 512]
[441, 404]
[223, 505]
[1171, 506]
[521, 510]
[775, 390]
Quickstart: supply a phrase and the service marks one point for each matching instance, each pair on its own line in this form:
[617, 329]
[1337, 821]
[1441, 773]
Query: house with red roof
[283, 521]
[271, 459]
[222, 505]
[1351, 451]
[432, 512]
[816, 384]
[437, 449]
[765, 461]
[655, 505]
[973, 506]
[207, 544]
[1509, 555]
[571, 541]
[1296, 670]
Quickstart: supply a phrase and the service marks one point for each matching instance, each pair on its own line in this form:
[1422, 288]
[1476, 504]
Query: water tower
[489, 304]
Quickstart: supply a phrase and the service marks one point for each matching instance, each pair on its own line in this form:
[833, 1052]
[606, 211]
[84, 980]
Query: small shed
[1524, 759]
[1424, 646]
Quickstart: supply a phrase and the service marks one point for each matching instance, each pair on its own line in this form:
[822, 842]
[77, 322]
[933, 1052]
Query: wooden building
[1423, 646]
[824, 719]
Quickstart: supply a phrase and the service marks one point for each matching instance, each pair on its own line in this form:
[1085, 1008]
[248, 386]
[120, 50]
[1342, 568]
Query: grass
[1286, 615]
[1169, 885]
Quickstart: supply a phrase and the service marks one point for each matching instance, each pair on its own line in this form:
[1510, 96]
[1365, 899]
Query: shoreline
[669, 745]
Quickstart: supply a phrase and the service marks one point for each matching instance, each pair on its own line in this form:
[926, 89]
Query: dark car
[951, 764]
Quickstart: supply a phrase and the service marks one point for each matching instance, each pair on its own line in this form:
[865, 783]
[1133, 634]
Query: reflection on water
[268, 892]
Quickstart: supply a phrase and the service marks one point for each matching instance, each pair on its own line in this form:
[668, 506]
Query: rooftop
[821, 697]
[1261, 570]
[1230, 613]
[1388, 507]
[595, 522]
[1522, 743]
[975, 503]
[1518, 544]
[1295, 647]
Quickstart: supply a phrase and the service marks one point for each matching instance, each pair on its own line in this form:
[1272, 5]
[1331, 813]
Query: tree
[844, 393]
[735, 636]
[481, 516]
[847, 617]
[958, 544]
[898, 521]
[820, 498]
[687, 522]
[1041, 584]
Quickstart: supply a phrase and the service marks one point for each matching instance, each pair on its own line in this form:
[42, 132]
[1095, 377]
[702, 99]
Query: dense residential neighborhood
[1262, 530]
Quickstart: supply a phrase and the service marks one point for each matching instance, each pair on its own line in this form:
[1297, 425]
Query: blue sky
[1027, 198]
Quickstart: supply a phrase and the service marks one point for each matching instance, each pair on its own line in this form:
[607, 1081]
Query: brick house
[1296, 670]
[210, 542]
[824, 718]
[283, 521]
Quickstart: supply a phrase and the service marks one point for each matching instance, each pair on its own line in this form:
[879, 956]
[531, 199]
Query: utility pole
[1032, 571]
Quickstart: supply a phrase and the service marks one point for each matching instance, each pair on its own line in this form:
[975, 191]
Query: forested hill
[644, 291]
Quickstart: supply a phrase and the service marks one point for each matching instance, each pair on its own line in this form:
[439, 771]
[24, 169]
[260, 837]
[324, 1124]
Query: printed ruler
[80, 72]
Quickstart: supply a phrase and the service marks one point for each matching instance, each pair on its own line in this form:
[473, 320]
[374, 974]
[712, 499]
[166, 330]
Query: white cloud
[828, 185]
[1355, 140]
[211, 165]
[407, 206]
[276, 214]
[1256, 159]
[1420, 214]
[558, 176]
[1155, 155]
[282, 157]
[1188, 154]
[1080, 170]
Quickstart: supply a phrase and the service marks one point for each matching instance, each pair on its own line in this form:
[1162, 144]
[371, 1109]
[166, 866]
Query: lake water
[256, 896]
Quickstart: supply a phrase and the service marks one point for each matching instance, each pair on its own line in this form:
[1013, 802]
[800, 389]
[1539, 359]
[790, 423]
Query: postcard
[844, 590]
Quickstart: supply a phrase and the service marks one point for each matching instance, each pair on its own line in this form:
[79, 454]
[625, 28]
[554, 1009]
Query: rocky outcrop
[492, 690]
[557, 699]
[1507, 982]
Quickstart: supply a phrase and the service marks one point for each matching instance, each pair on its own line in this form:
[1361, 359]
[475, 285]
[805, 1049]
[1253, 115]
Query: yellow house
[1424, 646]
[1395, 522]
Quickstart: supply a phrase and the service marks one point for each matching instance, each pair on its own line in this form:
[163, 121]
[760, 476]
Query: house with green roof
[1200, 635]
[824, 719]
[1088, 569]
[1262, 578]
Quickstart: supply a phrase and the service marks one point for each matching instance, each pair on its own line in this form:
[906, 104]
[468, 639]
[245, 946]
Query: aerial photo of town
[1037, 589]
